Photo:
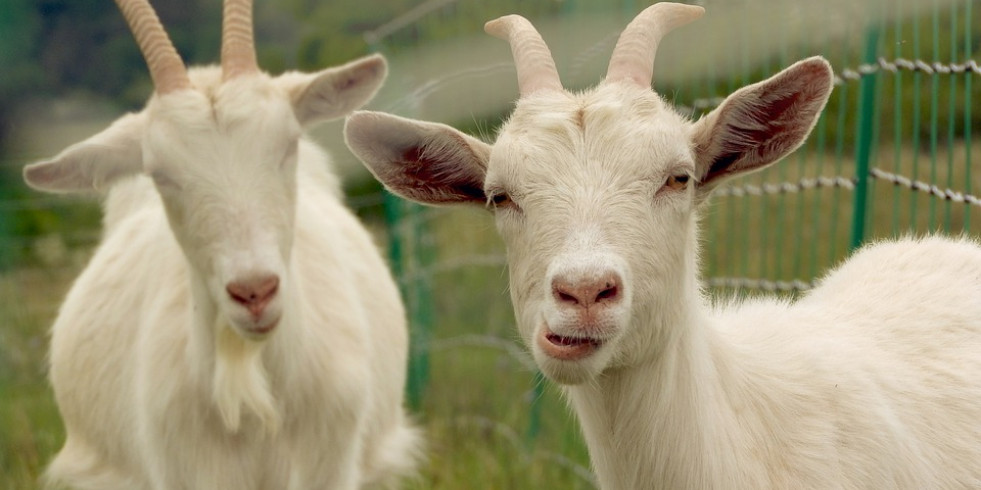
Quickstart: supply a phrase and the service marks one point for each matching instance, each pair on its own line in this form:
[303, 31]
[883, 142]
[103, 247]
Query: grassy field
[30, 430]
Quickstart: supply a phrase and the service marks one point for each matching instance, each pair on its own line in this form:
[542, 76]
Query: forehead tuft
[230, 105]
[613, 123]
[607, 107]
[254, 101]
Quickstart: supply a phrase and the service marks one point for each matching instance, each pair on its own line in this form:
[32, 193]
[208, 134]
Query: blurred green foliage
[52, 49]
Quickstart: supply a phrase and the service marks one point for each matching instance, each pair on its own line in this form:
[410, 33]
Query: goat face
[224, 164]
[596, 198]
[221, 146]
[223, 157]
[596, 194]
[590, 195]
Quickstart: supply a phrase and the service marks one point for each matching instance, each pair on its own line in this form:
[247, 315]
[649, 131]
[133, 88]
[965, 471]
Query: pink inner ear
[42, 175]
[753, 132]
[764, 122]
[436, 180]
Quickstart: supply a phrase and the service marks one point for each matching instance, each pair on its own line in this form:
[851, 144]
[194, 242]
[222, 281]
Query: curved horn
[633, 57]
[166, 67]
[237, 42]
[532, 59]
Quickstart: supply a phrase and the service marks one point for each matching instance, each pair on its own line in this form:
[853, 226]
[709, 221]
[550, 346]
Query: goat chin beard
[241, 385]
[566, 372]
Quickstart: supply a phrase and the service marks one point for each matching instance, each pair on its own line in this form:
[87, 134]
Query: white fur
[872, 380]
[161, 379]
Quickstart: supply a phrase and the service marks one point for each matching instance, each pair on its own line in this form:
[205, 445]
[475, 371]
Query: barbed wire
[855, 74]
[787, 187]
[902, 64]
[511, 348]
[410, 100]
[921, 186]
[795, 285]
[410, 17]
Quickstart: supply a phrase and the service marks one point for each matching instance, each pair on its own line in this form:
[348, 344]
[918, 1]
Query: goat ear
[761, 123]
[95, 163]
[334, 92]
[421, 161]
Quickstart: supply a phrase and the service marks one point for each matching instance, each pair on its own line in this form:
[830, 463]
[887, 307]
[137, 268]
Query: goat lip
[263, 329]
[566, 348]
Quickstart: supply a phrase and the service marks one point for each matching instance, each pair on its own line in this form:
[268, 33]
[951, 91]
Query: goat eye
[501, 200]
[677, 182]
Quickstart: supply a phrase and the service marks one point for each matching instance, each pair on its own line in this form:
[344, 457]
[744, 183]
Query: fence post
[404, 243]
[863, 146]
[399, 221]
[420, 303]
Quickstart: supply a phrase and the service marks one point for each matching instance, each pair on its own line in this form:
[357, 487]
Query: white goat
[237, 327]
[872, 380]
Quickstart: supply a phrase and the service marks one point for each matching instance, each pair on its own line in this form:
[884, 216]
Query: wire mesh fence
[894, 153]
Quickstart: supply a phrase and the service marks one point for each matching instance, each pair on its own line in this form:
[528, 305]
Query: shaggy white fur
[872, 380]
[163, 378]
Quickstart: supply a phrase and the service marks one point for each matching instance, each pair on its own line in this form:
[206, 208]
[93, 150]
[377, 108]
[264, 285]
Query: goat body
[237, 327]
[872, 380]
[141, 390]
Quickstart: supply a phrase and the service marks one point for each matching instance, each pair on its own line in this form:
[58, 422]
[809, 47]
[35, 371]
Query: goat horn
[532, 59]
[166, 67]
[633, 57]
[237, 41]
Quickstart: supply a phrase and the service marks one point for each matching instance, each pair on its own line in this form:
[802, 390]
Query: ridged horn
[532, 59]
[633, 57]
[237, 39]
[166, 67]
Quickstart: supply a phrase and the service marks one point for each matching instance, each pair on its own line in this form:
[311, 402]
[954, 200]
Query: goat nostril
[253, 292]
[608, 294]
[237, 293]
[585, 294]
[564, 297]
[267, 289]
[565, 293]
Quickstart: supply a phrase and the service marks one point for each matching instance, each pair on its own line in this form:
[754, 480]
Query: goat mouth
[262, 330]
[567, 348]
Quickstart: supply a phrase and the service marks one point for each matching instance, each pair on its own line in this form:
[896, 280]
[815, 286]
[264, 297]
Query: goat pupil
[677, 181]
[501, 199]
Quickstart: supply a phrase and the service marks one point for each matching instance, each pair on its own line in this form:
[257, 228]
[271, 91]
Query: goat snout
[254, 293]
[600, 290]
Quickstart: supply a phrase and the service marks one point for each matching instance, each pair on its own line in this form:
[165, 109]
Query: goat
[237, 327]
[872, 380]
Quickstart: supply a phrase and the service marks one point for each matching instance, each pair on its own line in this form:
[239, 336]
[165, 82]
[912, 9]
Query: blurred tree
[19, 25]
[19, 28]
[86, 45]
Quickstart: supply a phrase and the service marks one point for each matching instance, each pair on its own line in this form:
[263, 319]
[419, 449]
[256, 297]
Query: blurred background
[895, 152]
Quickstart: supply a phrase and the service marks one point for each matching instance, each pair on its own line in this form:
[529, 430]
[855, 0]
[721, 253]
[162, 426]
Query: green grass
[30, 430]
